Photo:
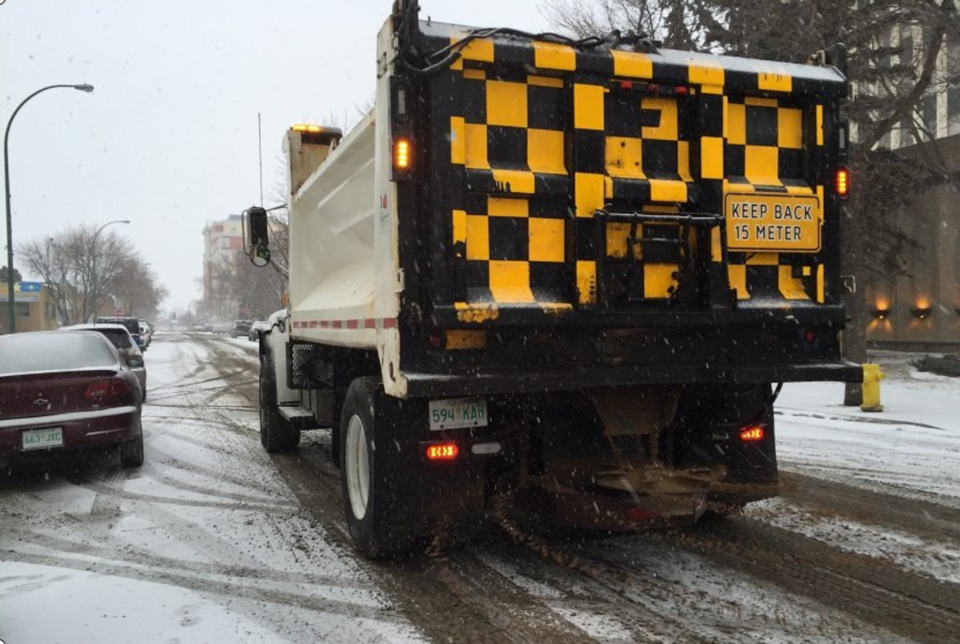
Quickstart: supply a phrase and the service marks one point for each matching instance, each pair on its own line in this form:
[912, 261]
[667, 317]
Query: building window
[23, 309]
[906, 134]
[953, 107]
[930, 114]
[906, 48]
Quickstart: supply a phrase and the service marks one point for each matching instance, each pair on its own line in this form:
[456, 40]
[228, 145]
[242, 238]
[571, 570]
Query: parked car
[241, 327]
[255, 329]
[121, 339]
[132, 324]
[146, 332]
[62, 393]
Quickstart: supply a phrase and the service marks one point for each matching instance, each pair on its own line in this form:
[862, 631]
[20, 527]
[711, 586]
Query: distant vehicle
[255, 328]
[132, 324]
[61, 393]
[241, 327]
[146, 334]
[121, 339]
[147, 329]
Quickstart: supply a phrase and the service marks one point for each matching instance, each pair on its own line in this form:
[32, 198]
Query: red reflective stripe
[363, 323]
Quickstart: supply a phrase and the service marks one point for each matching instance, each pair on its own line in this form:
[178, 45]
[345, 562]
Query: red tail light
[443, 452]
[752, 434]
[98, 389]
[102, 388]
[843, 183]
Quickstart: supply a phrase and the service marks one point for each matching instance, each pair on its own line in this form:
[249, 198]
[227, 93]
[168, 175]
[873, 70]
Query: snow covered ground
[912, 447]
[207, 543]
[204, 543]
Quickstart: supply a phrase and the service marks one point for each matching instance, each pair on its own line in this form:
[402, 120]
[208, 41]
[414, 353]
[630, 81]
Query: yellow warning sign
[773, 222]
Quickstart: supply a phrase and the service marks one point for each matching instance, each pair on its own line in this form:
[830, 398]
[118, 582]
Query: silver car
[120, 337]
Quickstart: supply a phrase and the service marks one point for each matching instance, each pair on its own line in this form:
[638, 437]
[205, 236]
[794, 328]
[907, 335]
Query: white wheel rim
[358, 467]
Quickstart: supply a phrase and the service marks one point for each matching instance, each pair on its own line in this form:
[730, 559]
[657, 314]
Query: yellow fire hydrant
[871, 387]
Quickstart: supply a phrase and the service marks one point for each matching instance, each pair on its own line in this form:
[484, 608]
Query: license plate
[40, 438]
[773, 222]
[456, 413]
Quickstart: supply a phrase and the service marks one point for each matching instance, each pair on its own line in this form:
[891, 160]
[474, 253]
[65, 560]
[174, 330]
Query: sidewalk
[913, 446]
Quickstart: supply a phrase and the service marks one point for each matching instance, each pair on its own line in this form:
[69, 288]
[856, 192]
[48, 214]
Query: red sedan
[65, 392]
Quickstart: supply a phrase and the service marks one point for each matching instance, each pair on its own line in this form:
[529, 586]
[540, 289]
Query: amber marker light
[305, 127]
[752, 434]
[401, 154]
[443, 452]
[843, 183]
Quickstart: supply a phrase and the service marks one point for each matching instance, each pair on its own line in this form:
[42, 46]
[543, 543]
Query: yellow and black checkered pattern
[510, 140]
[510, 133]
[633, 152]
[763, 143]
[647, 153]
[543, 136]
[764, 152]
[514, 250]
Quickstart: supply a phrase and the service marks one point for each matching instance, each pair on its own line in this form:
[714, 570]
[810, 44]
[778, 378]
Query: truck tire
[373, 500]
[276, 432]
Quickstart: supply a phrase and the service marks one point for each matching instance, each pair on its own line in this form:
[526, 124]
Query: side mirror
[260, 256]
[135, 363]
[256, 236]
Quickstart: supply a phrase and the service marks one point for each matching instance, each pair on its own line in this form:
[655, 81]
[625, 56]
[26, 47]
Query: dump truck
[563, 278]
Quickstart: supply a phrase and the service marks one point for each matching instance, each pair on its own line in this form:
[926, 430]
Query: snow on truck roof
[667, 64]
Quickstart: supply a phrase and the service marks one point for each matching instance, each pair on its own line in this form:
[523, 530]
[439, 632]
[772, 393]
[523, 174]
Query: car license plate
[456, 413]
[40, 438]
[773, 222]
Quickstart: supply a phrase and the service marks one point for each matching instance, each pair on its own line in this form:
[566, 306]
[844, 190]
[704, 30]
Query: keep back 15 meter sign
[773, 222]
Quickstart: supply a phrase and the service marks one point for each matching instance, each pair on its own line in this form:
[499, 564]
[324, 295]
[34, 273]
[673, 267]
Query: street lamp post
[93, 262]
[11, 305]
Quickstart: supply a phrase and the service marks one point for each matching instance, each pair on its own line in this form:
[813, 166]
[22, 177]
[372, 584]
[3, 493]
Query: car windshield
[120, 338]
[131, 325]
[38, 352]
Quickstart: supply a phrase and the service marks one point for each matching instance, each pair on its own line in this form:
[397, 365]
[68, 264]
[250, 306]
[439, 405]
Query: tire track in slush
[903, 602]
[228, 582]
[864, 591]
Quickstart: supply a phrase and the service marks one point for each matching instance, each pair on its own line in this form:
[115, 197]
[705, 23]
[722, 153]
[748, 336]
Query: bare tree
[893, 49]
[86, 276]
[137, 289]
[220, 299]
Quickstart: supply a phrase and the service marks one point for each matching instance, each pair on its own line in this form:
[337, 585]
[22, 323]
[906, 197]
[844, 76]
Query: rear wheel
[277, 434]
[373, 497]
[131, 452]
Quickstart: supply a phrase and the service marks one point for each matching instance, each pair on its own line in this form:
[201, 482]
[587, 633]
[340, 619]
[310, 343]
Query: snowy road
[214, 541]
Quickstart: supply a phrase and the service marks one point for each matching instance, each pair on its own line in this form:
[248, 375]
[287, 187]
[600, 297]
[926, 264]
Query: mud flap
[707, 434]
[431, 497]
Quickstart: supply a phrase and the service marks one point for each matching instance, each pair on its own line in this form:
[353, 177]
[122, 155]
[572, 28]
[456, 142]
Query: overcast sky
[169, 137]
